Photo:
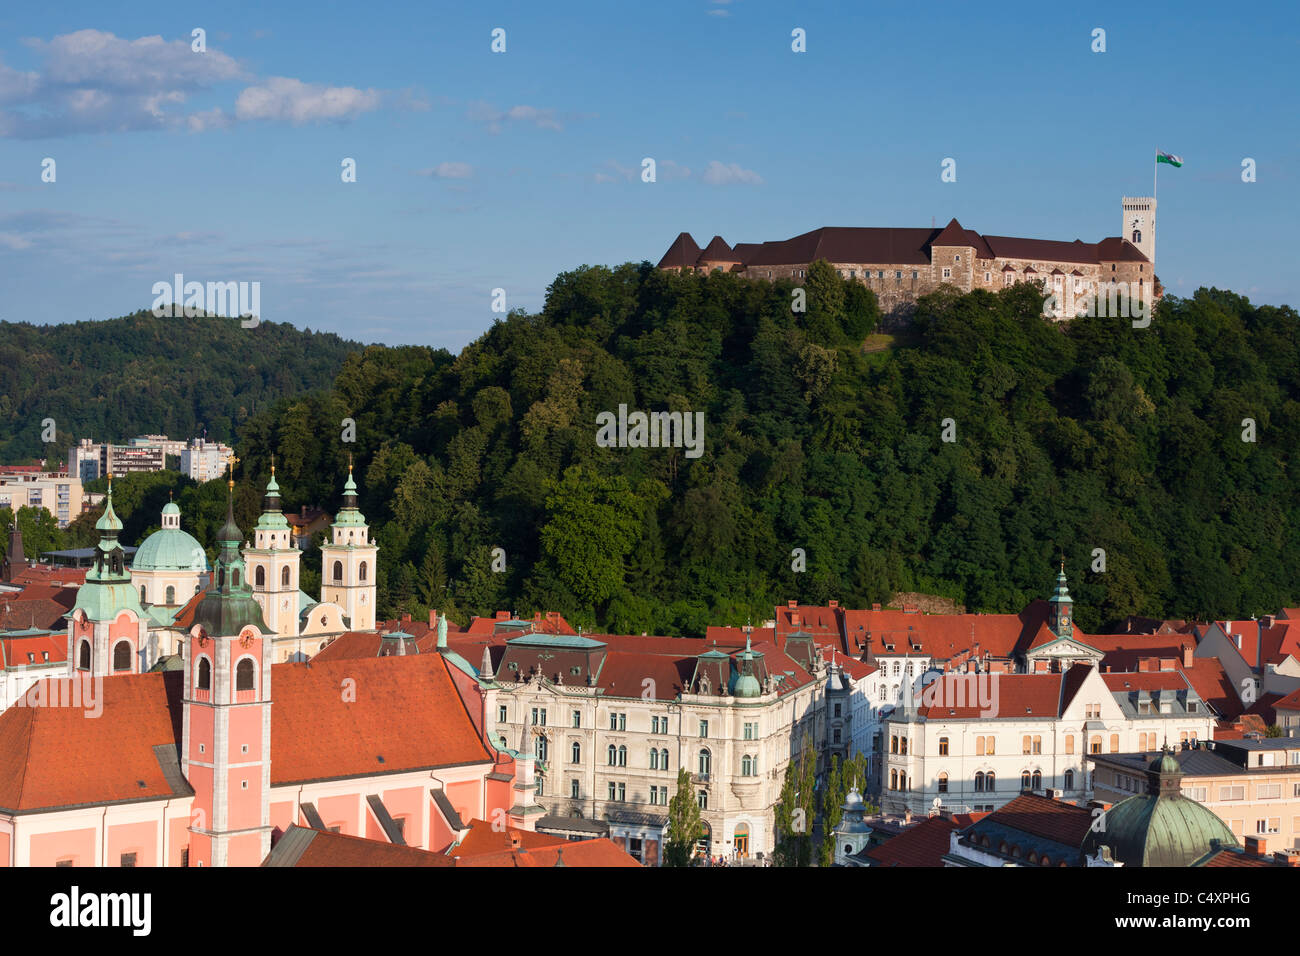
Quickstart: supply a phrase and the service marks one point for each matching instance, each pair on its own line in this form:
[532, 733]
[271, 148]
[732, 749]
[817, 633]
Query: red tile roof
[1050, 819]
[407, 712]
[300, 846]
[1290, 702]
[1018, 695]
[482, 839]
[48, 574]
[67, 756]
[921, 845]
[44, 649]
[599, 852]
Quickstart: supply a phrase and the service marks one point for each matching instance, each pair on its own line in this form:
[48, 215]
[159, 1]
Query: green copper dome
[743, 683]
[171, 508]
[109, 521]
[272, 517]
[170, 549]
[1160, 827]
[229, 606]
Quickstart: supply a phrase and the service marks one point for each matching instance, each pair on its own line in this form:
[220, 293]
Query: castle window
[880, 273]
[171, 595]
[83, 660]
[122, 656]
[898, 273]
[914, 274]
[284, 576]
[205, 674]
[988, 277]
[244, 675]
[956, 258]
[1137, 236]
[1008, 278]
[259, 577]
[947, 273]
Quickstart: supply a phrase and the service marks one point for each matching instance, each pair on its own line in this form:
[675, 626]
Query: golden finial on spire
[231, 462]
[273, 463]
[349, 463]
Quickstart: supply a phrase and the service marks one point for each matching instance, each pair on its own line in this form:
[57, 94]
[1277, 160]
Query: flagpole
[1155, 178]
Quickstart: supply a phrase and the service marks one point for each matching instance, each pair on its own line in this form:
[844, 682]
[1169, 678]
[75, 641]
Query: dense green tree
[685, 828]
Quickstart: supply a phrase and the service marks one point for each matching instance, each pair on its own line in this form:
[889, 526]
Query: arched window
[1137, 237]
[244, 674]
[746, 766]
[575, 753]
[706, 762]
[884, 692]
[234, 578]
[338, 572]
[893, 780]
[361, 571]
[663, 759]
[1038, 780]
[171, 594]
[1069, 780]
[83, 660]
[990, 781]
[622, 755]
[259, 577]
[205, 674]
[979, 782]
[122, 656]
[284, 576]
[943, 783]
[612, 753]
[654, 759]
[1024, 780]
[703, 799]
[895, 668]
[143, 599]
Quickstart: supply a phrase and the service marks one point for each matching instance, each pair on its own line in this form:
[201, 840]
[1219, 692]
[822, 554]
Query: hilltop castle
[901, 264]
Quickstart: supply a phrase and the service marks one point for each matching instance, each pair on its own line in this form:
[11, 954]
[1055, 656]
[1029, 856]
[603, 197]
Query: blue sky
[478, 170]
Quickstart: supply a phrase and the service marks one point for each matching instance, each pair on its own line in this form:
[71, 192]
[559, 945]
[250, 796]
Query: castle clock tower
[1139, 225]
[348, 563]
[226, 727]
[273, 565]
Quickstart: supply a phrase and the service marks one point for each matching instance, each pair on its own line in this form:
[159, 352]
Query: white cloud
[495, 119]
[284, 98]
[726, 174]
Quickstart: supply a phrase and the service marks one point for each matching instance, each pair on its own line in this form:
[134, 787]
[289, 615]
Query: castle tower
[226, 731]
[1139, 225]
[348, 563]
[107, 629]
[273, 564]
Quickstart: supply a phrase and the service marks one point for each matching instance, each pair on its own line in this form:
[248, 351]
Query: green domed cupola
[744, 681]
[108, 588]
[1160, 827]
[272, 518]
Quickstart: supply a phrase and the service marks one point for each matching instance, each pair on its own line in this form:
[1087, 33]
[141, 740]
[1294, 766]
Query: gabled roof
[483, 838]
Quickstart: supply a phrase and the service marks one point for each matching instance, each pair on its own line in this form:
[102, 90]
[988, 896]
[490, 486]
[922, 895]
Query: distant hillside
[113, 379]
[1120, 447]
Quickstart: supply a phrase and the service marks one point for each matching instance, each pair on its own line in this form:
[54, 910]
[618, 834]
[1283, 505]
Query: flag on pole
[1169, 158]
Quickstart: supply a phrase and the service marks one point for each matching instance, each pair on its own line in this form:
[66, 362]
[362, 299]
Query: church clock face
[1065, 619]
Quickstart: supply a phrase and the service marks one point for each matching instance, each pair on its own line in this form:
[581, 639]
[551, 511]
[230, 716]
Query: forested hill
[114, 379]
[1080, 439]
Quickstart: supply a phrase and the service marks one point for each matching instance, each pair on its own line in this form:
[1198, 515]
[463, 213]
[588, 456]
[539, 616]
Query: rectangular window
[63, 863]
[751, 730]
[988, 277]
[914, 274]
[501, 714]
[613, 791]
[1194, 793]
[704, 728]
[1268, 791]
[574, 792]
[613, 721]
[837, 710]
[898, 273]
[943, 746]
[947, 273]
[880, 273]
[1232, 793]
[577, 718]
[128, 859]
[622, 793]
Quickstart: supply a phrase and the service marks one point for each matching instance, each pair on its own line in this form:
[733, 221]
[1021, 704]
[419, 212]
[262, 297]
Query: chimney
[514, 841]
[834, 604]
[1267, 620]
[1288, 857]
[406, 618]
[907, 818]
[875, 606]
[1189, 653]
[794, 620]
[433, 617]
[1256, 846]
